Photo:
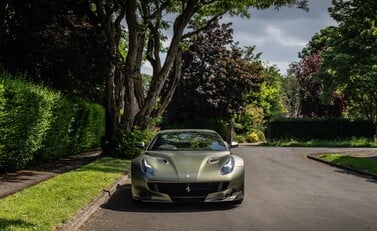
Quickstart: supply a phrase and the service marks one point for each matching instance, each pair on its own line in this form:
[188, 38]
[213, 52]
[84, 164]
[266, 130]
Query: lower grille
[188, 191]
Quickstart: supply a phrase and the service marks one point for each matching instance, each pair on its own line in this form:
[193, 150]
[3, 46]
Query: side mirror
[234, 144]
[140, 145]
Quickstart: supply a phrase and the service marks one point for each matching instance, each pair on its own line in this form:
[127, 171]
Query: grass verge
[52, 202]
[360, 163]
[354, 142]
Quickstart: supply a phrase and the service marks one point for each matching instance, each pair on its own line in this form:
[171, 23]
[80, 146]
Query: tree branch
[177, 71]
[206, 27]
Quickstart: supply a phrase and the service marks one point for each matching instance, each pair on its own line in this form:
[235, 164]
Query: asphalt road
[284, 191]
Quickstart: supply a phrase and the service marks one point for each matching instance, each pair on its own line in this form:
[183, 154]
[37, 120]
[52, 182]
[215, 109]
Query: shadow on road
[365, 177]
[121, 200]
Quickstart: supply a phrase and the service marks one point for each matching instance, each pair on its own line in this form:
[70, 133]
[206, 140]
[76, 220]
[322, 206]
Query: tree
[291, 90]
[215, 77]
[144, 25]
[270, 96]
[138, 26]
[349, 61]
[308, 74]
[54, 42]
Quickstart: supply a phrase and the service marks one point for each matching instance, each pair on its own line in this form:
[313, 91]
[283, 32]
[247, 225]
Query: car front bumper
[230, 189]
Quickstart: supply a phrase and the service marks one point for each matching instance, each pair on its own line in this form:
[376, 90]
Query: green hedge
[303, 129]
[38, 124]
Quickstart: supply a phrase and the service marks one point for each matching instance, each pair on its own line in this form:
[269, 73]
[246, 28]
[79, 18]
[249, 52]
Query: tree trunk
[114, 81]
[143, 116]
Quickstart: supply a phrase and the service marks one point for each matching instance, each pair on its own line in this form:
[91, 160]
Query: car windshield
[188, 141]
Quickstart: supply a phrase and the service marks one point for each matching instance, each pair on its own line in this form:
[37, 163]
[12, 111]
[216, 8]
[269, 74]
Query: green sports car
[193, 165]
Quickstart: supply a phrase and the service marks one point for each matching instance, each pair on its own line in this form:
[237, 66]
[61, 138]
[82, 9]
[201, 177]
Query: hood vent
[213, 160]
[162, 160]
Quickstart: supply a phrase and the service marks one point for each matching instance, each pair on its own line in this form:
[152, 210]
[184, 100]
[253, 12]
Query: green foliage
[291, 95]
[254, 136]
[270, 96]
[85, 41]
[240, 139]
[56, 43]
[306, 129]
[360, 163]
[349, 60]
[48, 205]
[85, 126]
[252, 117]
[214, 79]
[60, 132]
[126, 143]
[350, 142]
[3, 114]
[315, 100]
[38, 124]
[262, 106]
[28, 118]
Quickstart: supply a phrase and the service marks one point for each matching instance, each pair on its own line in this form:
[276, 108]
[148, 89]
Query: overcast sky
[278, 34]
[281, 34]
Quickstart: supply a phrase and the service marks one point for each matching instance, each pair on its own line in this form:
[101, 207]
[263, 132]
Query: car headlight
[228, 166]
[146, 167]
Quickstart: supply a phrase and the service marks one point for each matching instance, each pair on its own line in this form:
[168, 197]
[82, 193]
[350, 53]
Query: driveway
[284, 191]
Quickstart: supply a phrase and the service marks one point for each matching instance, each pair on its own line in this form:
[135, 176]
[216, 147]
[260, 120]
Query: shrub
[126, 144]
[28, 118]
[85, 127]
[253, 116]
[38, 124]
[240, 139]
[332, 129]
[254, 136]
[2, 136]
[60, 133]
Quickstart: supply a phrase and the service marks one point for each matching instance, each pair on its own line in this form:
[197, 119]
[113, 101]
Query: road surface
[283, 191]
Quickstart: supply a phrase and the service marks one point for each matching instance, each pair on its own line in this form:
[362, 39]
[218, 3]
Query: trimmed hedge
[38, 124]
[330, 129]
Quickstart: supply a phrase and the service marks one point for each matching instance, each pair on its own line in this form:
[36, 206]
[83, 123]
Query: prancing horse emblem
[188, 189]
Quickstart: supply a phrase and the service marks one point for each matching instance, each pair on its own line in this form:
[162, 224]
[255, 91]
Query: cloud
[281, 34]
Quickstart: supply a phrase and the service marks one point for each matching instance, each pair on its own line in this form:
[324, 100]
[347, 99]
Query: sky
[278, 34]
[281, 34]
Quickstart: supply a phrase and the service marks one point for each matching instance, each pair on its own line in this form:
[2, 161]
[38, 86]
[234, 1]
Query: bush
[60, 132]
[252, 117]
[331, 129]
[254, 136]
[38, 124]
[85, 129]
[28, 116]
[240, 139]
[126, 144]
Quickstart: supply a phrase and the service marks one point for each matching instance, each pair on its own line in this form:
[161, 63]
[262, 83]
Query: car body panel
[181, 175]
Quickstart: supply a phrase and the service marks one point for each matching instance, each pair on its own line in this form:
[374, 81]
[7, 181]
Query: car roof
[186, 130]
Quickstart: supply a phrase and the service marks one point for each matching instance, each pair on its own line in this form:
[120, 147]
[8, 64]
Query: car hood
[187, 166]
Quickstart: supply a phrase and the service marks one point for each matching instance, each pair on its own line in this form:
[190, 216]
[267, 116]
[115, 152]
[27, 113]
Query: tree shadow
[15, 224]
[121, 200]
[361, 175]
[104, 165]
[21, 176]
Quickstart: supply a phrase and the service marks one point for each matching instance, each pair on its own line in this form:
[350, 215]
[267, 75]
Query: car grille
[188, 191]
